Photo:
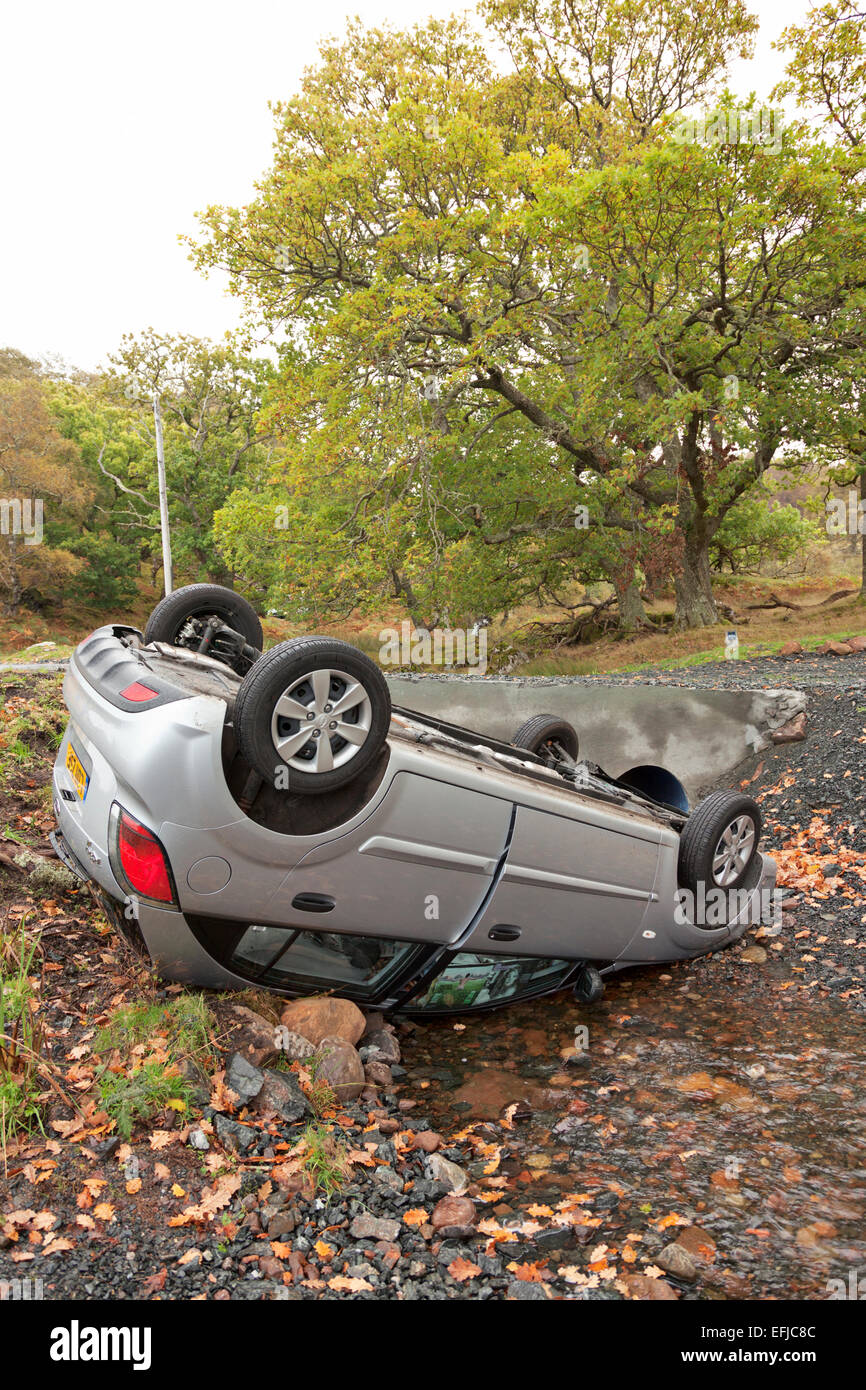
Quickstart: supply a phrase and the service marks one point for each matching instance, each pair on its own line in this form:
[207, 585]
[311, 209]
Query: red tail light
[143, 860]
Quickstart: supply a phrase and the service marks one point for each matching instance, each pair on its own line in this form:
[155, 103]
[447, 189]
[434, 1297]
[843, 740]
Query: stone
[791, 649]
[858, 643]
[293, 1047]
[698, 1243]
[243, 1079]
[236, 1137]
[199, 1140]
[835, 649]
[792, 732]
[524, 1292]
[282, 1225]
[677, 1261]
[451, 1174]
[324, 1017]
[755, 955]
[384, 1045]
[369, 1227]
[339, 1064]
[247, 1032]
[427, 1140]
[378, 1074]
[454, 1217]
[386, 1177]
[650, 1290]
[281, 1095]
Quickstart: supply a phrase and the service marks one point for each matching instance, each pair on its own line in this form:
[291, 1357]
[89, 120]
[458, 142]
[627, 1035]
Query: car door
[574, 886]
[417, 869]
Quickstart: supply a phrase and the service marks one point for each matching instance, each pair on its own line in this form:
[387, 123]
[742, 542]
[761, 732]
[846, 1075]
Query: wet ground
[708, 1107]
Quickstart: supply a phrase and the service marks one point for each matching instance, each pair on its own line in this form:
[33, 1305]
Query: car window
[472, 980]
[283, 957]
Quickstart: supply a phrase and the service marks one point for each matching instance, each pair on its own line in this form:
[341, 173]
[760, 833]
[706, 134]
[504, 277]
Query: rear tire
[180, 618]
[289, 714]
[719, 842]
[549, 737]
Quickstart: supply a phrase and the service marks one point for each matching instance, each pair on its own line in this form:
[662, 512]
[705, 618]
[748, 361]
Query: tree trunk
[696, 606]
[632, 613]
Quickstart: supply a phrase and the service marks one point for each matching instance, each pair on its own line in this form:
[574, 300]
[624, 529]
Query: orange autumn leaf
[528, 1273]
[461, 1270]
[133, 1186]
[417, 1216]
[104, 1211]
[323, 1249]
[281, 1249]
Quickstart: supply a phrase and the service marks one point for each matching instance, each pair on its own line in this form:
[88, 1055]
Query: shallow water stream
[709, 1106]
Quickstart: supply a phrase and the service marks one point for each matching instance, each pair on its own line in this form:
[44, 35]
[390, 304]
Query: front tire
[551, 738]
[312, 714]
[719, 842]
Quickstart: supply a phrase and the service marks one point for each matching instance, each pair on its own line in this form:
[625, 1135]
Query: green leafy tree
[519, 294]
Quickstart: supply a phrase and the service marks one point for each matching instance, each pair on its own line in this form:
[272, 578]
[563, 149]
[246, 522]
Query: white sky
[120, 121]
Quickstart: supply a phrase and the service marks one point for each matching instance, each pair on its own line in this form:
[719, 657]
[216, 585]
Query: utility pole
[163, 495]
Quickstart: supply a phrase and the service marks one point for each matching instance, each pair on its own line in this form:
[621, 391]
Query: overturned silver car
[270, 820]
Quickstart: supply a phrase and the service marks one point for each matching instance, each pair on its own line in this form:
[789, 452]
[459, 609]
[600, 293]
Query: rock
[677, 1261]
[342, 1068]
[755, 955]
[443, 1170]
[857, 644]
[378, 1074]
[368, 1227]
[317, 1019]
[199, 1140]
[650, 1290]
[792, 732]
[248, 1033]
[271, 1268]
[454, 1217]
[238, 1138]
[386, 1177]
[791, 649]
[523, 1292]
[835, 649]
[282, 1225]
[428, 1141]
[698, 1243]
[293, 1046]
[281, 1095]
[242, 1078]
[383, 1044]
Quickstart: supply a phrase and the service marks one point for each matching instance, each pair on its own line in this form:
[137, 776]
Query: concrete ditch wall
[698, 734]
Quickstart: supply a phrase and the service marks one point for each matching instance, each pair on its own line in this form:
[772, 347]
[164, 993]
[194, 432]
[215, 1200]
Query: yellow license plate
[80, 778]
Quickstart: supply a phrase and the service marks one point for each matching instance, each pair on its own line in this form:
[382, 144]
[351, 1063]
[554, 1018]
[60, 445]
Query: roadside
[713, 1107]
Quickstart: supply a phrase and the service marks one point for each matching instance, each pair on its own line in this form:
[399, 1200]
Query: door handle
[313, 902]
[504, 933]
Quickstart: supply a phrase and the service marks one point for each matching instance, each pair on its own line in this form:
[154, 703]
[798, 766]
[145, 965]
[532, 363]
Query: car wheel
[181, 619]
[312, 714]
[719, 842]
[551, 738]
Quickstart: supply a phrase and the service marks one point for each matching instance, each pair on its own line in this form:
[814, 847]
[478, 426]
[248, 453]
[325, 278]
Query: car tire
[298, 687]
[545, 735]
[195, 603]
[719, 842]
